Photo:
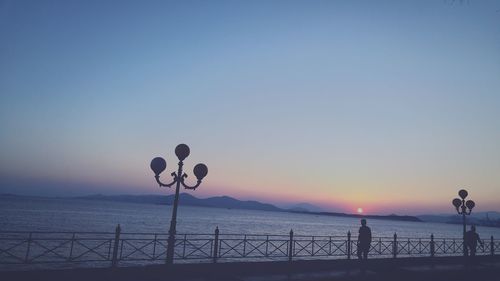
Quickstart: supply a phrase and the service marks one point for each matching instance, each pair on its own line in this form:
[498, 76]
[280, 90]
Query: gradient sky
[391, 106]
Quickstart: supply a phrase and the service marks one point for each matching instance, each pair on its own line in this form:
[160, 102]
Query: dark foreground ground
[401, 269]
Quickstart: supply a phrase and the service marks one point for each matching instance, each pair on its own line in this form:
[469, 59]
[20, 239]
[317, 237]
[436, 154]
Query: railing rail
[118, 248]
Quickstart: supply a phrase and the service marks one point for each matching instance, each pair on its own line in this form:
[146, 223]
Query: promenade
[484, 268]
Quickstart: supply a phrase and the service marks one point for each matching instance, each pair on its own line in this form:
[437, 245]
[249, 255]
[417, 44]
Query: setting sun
[360, 210]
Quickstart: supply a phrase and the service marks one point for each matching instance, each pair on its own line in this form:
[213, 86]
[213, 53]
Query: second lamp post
[463, 208]
[158, 165]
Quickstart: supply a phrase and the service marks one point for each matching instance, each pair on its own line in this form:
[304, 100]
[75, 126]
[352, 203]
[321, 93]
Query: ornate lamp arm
[187, 186]
[174, 175]
[463, 209]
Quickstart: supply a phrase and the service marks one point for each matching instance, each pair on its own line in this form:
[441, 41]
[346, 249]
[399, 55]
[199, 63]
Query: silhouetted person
[364, 240]
[471, 239]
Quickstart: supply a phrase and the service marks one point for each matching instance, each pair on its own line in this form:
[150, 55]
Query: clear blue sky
[387, 105]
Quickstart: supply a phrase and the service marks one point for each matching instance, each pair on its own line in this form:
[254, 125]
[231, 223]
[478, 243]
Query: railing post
[154, 247]
[114, 261]
[444, 246]
[312, 246]
[71, 247]
[184, 241]
[492, 246]
[26, 258]
[290, 247]
[216, 243]
[330, 246]
[349, 245]
[245, 245]
[432, 245]
[267, 245]
[409, 247]
[395, 246]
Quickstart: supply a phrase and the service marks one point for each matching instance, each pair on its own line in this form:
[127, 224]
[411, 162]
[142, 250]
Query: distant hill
[225, 202]
[232, 203]
[435, 218]
[304, 207]
[477, 218]
[187, 199]
[379, 217]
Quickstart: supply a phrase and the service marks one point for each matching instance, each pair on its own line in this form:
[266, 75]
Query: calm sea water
[48, 214]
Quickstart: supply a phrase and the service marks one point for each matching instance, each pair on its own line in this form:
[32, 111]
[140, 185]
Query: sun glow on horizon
[360, 210]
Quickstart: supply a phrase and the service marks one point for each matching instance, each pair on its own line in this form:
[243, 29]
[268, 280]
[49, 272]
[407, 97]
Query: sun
[360, 210]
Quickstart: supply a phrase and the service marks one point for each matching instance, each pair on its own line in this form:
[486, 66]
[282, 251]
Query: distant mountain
[304, 207]
[379, 217]
[226, 202]
[452, 217]
[434, 218]
[144, 199]
[479, 218]
[486, 215]
[187, 199]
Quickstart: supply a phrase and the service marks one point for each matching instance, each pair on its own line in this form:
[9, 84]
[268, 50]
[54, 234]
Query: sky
[389, 106]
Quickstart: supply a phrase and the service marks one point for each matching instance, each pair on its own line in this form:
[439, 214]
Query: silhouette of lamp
[158, 165]
[463, 208]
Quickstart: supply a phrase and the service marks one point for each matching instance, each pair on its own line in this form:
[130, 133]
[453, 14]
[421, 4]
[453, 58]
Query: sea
[79, 215]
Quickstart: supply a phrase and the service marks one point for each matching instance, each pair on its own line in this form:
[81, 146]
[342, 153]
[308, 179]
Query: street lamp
[159, 165]
[463, 208]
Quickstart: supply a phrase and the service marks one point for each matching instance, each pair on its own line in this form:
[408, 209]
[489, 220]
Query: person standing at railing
[471, 240]
[364, 240]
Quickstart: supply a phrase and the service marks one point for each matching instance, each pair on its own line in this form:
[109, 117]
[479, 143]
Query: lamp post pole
[463, 208]
[158, 165]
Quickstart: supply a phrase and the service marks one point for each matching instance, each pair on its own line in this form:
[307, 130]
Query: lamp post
[463, 208]
[158, 165]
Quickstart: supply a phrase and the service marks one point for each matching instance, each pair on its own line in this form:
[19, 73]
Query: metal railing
[70, 249]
